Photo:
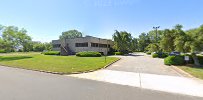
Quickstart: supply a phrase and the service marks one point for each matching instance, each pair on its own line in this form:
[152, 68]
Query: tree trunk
[196, 60]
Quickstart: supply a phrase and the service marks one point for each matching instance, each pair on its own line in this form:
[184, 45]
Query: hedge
[88, 54]
[52, 53]
[191, 61]
[155, 55]
[118, 53]
[174, 60]
[163, 55]
[2, 51]
[160, 55]
[148, 53]
[200, 59]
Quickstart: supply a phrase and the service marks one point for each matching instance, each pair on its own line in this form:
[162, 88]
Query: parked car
[174, 53]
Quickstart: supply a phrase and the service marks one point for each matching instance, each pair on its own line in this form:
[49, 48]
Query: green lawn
[65, 64]
[195, 71]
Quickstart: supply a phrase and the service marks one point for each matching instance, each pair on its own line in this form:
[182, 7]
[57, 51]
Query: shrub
[174, 60]
[200, 59]
[191, 61]
[2, 51]
[118, 53]
[52, 53]
[88, 54]
[148, 53]
[20, 50]
[111, 53]
[163, 55]
[155, 55]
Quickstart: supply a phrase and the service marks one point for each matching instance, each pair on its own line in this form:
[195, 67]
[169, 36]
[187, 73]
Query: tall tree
[134, 44]
[153, 47]
[70, 34]
[9, 37]
[180, 38]
[167, 41]
[23, 39]
[152, 35]
[195, 42]
[15, 38]
[143, 41]
[122, 41]
[48, 46]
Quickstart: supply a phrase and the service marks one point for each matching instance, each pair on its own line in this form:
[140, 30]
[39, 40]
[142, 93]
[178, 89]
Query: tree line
[14, 39]
[166, 40]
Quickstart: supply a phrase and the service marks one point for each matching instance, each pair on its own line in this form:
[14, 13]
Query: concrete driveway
[143, 71]
[142, 63]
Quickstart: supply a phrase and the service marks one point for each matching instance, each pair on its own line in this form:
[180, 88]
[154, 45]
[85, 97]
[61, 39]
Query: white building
[88, 43]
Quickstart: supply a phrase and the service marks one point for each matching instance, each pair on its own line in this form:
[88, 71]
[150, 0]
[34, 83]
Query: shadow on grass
[194, 66]
[11, 58]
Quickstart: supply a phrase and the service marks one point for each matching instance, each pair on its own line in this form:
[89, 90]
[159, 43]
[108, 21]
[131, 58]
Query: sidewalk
[166, 83]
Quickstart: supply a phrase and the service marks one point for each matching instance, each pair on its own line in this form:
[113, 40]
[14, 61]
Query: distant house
[88, 43]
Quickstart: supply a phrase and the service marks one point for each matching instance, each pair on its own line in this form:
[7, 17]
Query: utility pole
[156, 29]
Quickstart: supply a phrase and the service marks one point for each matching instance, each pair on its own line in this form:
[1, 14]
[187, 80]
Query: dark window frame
[56, 45]
[103, 45]
[85, 44]
[94, 44]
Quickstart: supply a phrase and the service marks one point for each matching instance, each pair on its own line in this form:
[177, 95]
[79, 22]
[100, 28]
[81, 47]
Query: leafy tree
[134, 44]
[48, 46]
[24, 40]
[9, 36]
[152, 35]
[70, 34]
[143, 41]
[122, 41]
[153, 47]
[167, 41]
[195, 42]
[180, 38]
[38, 46]
[15, 38]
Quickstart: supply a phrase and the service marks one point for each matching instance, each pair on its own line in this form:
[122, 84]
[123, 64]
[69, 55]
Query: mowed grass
[65, 64]
[195, 71]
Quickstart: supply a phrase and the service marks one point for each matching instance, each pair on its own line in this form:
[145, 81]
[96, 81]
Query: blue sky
[46, 19]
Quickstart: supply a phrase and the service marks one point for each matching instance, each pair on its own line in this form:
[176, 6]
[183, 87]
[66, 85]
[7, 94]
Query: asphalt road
[19, 84]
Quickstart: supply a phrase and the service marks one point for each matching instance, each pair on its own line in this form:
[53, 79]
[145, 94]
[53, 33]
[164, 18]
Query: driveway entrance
[143, 71]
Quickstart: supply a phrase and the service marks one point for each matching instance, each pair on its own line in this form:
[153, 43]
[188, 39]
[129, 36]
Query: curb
[62, 73]
[180, 71]
[96, 69]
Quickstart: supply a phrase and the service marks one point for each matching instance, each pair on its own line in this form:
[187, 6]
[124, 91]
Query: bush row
[88, 54]
[159, 55]
[148, 53]
[2, 51]
[200, 59]
[119, 53]
[52, 53]
[174, 60]
[179, 60]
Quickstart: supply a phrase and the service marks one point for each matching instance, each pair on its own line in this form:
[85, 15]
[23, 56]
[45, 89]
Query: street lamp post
[156, 28]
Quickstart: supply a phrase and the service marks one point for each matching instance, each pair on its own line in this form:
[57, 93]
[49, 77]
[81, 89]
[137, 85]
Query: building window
[103, 45]
[81, 44]
[94, 45]
[56, 45]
